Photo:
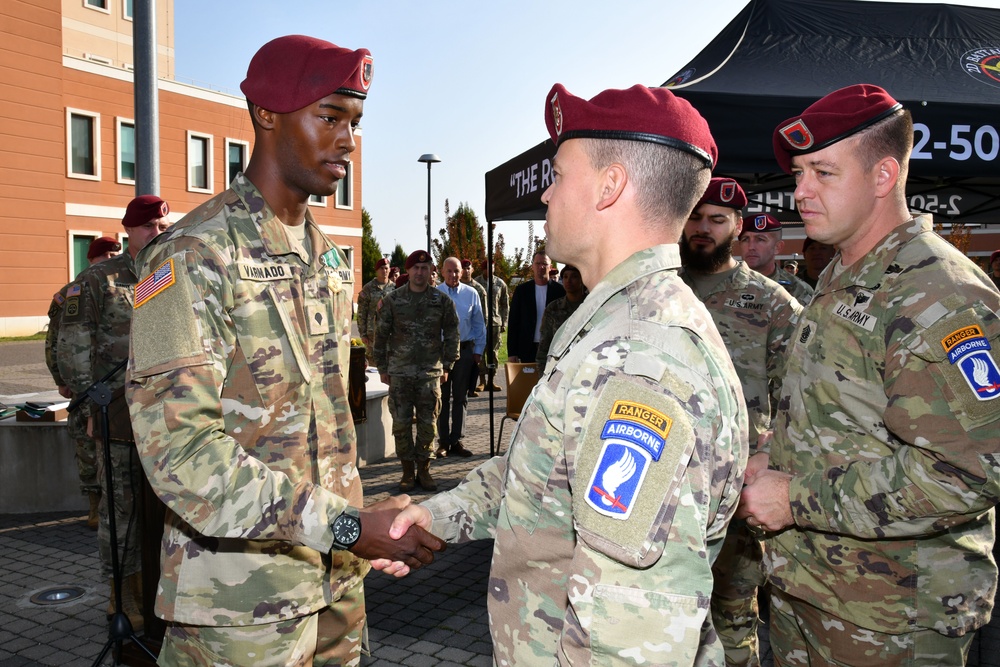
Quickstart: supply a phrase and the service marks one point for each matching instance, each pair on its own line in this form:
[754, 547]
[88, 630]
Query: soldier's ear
[614, 178]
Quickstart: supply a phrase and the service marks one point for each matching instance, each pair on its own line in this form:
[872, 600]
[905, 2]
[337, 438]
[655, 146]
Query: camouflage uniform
[553, 317]
[756, 318]
[793, 285]
[238, 394]
[501, 309]
[889, 424]
[591, 566]
[93, 339]
[368, 300]
[76, 422]
[416, 340]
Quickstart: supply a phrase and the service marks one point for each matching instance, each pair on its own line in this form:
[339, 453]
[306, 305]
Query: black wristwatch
[346, 529]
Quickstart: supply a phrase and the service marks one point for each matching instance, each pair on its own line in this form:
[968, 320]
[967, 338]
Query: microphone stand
[120, 627]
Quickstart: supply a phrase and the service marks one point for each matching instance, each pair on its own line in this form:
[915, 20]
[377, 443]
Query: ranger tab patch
[969, 350]
[155, 283]
[634, 436]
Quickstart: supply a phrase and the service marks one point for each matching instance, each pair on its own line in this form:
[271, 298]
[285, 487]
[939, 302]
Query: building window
[101, 5]
[127, 10]
[79, 244]
[317, 200]
[344, 188]
[83, 140]
[348, 251]
[236, 157]
[126, 150]
[199, 162]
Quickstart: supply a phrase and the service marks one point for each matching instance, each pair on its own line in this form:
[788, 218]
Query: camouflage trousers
[738, 573]
[127, 479]
[86, 451]
[333, 636]
[801, 634]
[421, 395]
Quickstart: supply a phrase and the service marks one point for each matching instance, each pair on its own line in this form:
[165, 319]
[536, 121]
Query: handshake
[394, 536]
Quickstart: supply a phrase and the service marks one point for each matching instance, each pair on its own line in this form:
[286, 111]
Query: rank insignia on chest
[634, 436]
[969, 350]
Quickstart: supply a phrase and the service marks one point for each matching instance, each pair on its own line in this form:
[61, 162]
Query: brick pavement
[436, 616]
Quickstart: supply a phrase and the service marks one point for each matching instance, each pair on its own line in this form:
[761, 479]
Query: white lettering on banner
[526, 181]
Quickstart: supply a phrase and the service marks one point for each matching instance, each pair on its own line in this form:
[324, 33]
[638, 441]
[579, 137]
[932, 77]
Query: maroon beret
[144, 208]
[402, 279]
[996, 253]
[102, 245]
[382, 262]
[466, 263]
[761, 222]
[724, 192]
[292, 72]
[418, 257]
[636, 114]
[828, 120]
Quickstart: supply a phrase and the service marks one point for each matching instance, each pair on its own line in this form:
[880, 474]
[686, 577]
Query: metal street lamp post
[429, 158]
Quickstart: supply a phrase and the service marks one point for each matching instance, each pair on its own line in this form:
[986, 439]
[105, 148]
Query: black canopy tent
[778, 56]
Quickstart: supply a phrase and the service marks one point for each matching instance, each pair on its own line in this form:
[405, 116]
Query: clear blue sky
[464, 79]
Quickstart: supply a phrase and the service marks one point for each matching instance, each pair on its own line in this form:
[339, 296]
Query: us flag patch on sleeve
[155, 283]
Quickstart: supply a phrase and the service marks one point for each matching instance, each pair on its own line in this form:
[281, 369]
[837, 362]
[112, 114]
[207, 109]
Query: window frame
[119, 122]
[246, 156]
[209, 171]
[348, 183]
[71, 237]
[318, 200]
[106, 9]
[95, 144]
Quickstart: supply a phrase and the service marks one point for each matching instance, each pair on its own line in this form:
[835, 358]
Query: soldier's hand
[64, 391]
[412, 518]
[514, 360]
[412, 548]
[384, 377]
[444, 377]
[765, 503]
[755, 464]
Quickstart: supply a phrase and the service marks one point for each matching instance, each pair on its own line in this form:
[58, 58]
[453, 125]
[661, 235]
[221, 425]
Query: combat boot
[409, 477]
[132, 601]
[95, 500]
[427, 482]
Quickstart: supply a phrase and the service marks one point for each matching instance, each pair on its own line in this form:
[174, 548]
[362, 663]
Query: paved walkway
[436, 616]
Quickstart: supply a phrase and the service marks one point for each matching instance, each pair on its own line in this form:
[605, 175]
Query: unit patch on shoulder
[633, 436]
[155, 283]
[968, 349]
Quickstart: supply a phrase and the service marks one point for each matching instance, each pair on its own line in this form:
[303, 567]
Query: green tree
[371, 252]
[461, 237]
[398, 258]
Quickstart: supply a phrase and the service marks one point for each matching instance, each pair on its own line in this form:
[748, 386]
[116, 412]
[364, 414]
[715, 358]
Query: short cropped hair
[890, 137]
[668, 182]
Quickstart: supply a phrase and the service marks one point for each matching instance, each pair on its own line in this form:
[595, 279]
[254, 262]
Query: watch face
[346, 529]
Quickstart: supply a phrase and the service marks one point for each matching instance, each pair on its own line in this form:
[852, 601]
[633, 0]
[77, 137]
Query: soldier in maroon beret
[879, 490]
[255, 450]
[760, 243]
[598, 518]
[103, 248]
[756, 318]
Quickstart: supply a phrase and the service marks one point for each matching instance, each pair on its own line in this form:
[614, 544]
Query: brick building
[67, 146]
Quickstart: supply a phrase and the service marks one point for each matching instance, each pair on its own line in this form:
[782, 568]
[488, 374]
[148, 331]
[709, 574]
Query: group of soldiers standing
[428, 344]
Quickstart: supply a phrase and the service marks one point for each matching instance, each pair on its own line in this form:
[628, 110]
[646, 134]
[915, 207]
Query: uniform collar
[868, 271]
[276, 240]
[636, 267]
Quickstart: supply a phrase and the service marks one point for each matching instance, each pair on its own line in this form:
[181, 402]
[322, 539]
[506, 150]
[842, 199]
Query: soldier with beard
[756, 317]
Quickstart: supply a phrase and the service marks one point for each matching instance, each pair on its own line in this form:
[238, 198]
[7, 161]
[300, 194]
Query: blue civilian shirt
[471, 323]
